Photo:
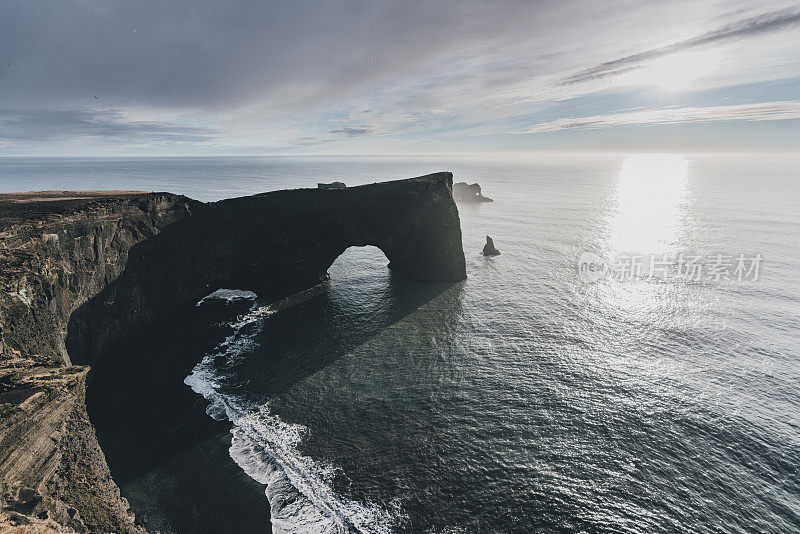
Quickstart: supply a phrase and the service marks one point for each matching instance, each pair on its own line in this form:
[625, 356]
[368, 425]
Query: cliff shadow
[309, 335]
[137, 394]
[154, 429]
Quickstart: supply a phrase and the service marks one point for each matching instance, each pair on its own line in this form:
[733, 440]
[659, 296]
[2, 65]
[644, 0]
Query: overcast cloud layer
[99, 77]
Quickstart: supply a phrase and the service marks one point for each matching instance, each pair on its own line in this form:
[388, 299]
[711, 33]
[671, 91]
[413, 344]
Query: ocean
[629, 363]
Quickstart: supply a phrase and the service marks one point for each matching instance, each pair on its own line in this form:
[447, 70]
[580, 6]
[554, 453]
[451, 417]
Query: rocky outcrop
[488, 248]
[52, 471]
[80, 272]
[59, 249]
[464, 192]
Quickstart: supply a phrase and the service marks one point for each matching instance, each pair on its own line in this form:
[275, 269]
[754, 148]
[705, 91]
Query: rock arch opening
[360, 260]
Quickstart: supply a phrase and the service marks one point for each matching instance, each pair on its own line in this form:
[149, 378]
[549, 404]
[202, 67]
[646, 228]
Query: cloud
[56, 124]
[222, 55]
[269, 59]
[761, 24]
[352, 132]
[766, 111]
[344, 73]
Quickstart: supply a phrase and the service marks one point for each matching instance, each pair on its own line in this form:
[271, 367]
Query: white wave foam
[228, 295]
[299, 490]
[298, 487]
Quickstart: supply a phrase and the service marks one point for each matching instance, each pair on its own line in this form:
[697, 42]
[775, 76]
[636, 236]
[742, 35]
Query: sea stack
[488, 248]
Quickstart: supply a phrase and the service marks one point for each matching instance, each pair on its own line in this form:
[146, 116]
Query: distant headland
[464, 192]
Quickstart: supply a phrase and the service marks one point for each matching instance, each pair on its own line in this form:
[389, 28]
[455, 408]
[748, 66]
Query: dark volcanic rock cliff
[81, 272]
[58, 250]
[52, 471]
[274, 244]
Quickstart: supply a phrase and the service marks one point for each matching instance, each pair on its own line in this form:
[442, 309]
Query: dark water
[524, 399]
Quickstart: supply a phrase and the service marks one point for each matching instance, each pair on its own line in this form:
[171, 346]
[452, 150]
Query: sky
[257, 77]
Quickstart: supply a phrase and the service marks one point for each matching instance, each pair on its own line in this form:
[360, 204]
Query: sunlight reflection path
[650, 190]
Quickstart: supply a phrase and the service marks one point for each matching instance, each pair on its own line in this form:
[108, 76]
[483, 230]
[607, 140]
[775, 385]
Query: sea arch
[273, 244]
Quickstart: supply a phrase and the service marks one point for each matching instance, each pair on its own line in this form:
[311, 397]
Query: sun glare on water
[647, 220]
[649, 192]
[675, 72]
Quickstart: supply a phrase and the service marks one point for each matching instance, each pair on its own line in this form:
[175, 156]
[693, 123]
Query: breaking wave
[298, 487]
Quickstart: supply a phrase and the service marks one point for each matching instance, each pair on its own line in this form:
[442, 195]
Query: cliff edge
[81, 271]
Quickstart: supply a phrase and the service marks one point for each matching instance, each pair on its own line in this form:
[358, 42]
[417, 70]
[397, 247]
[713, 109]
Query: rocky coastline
[80, 273]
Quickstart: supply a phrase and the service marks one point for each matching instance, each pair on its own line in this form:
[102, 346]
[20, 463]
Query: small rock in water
[488, 248]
